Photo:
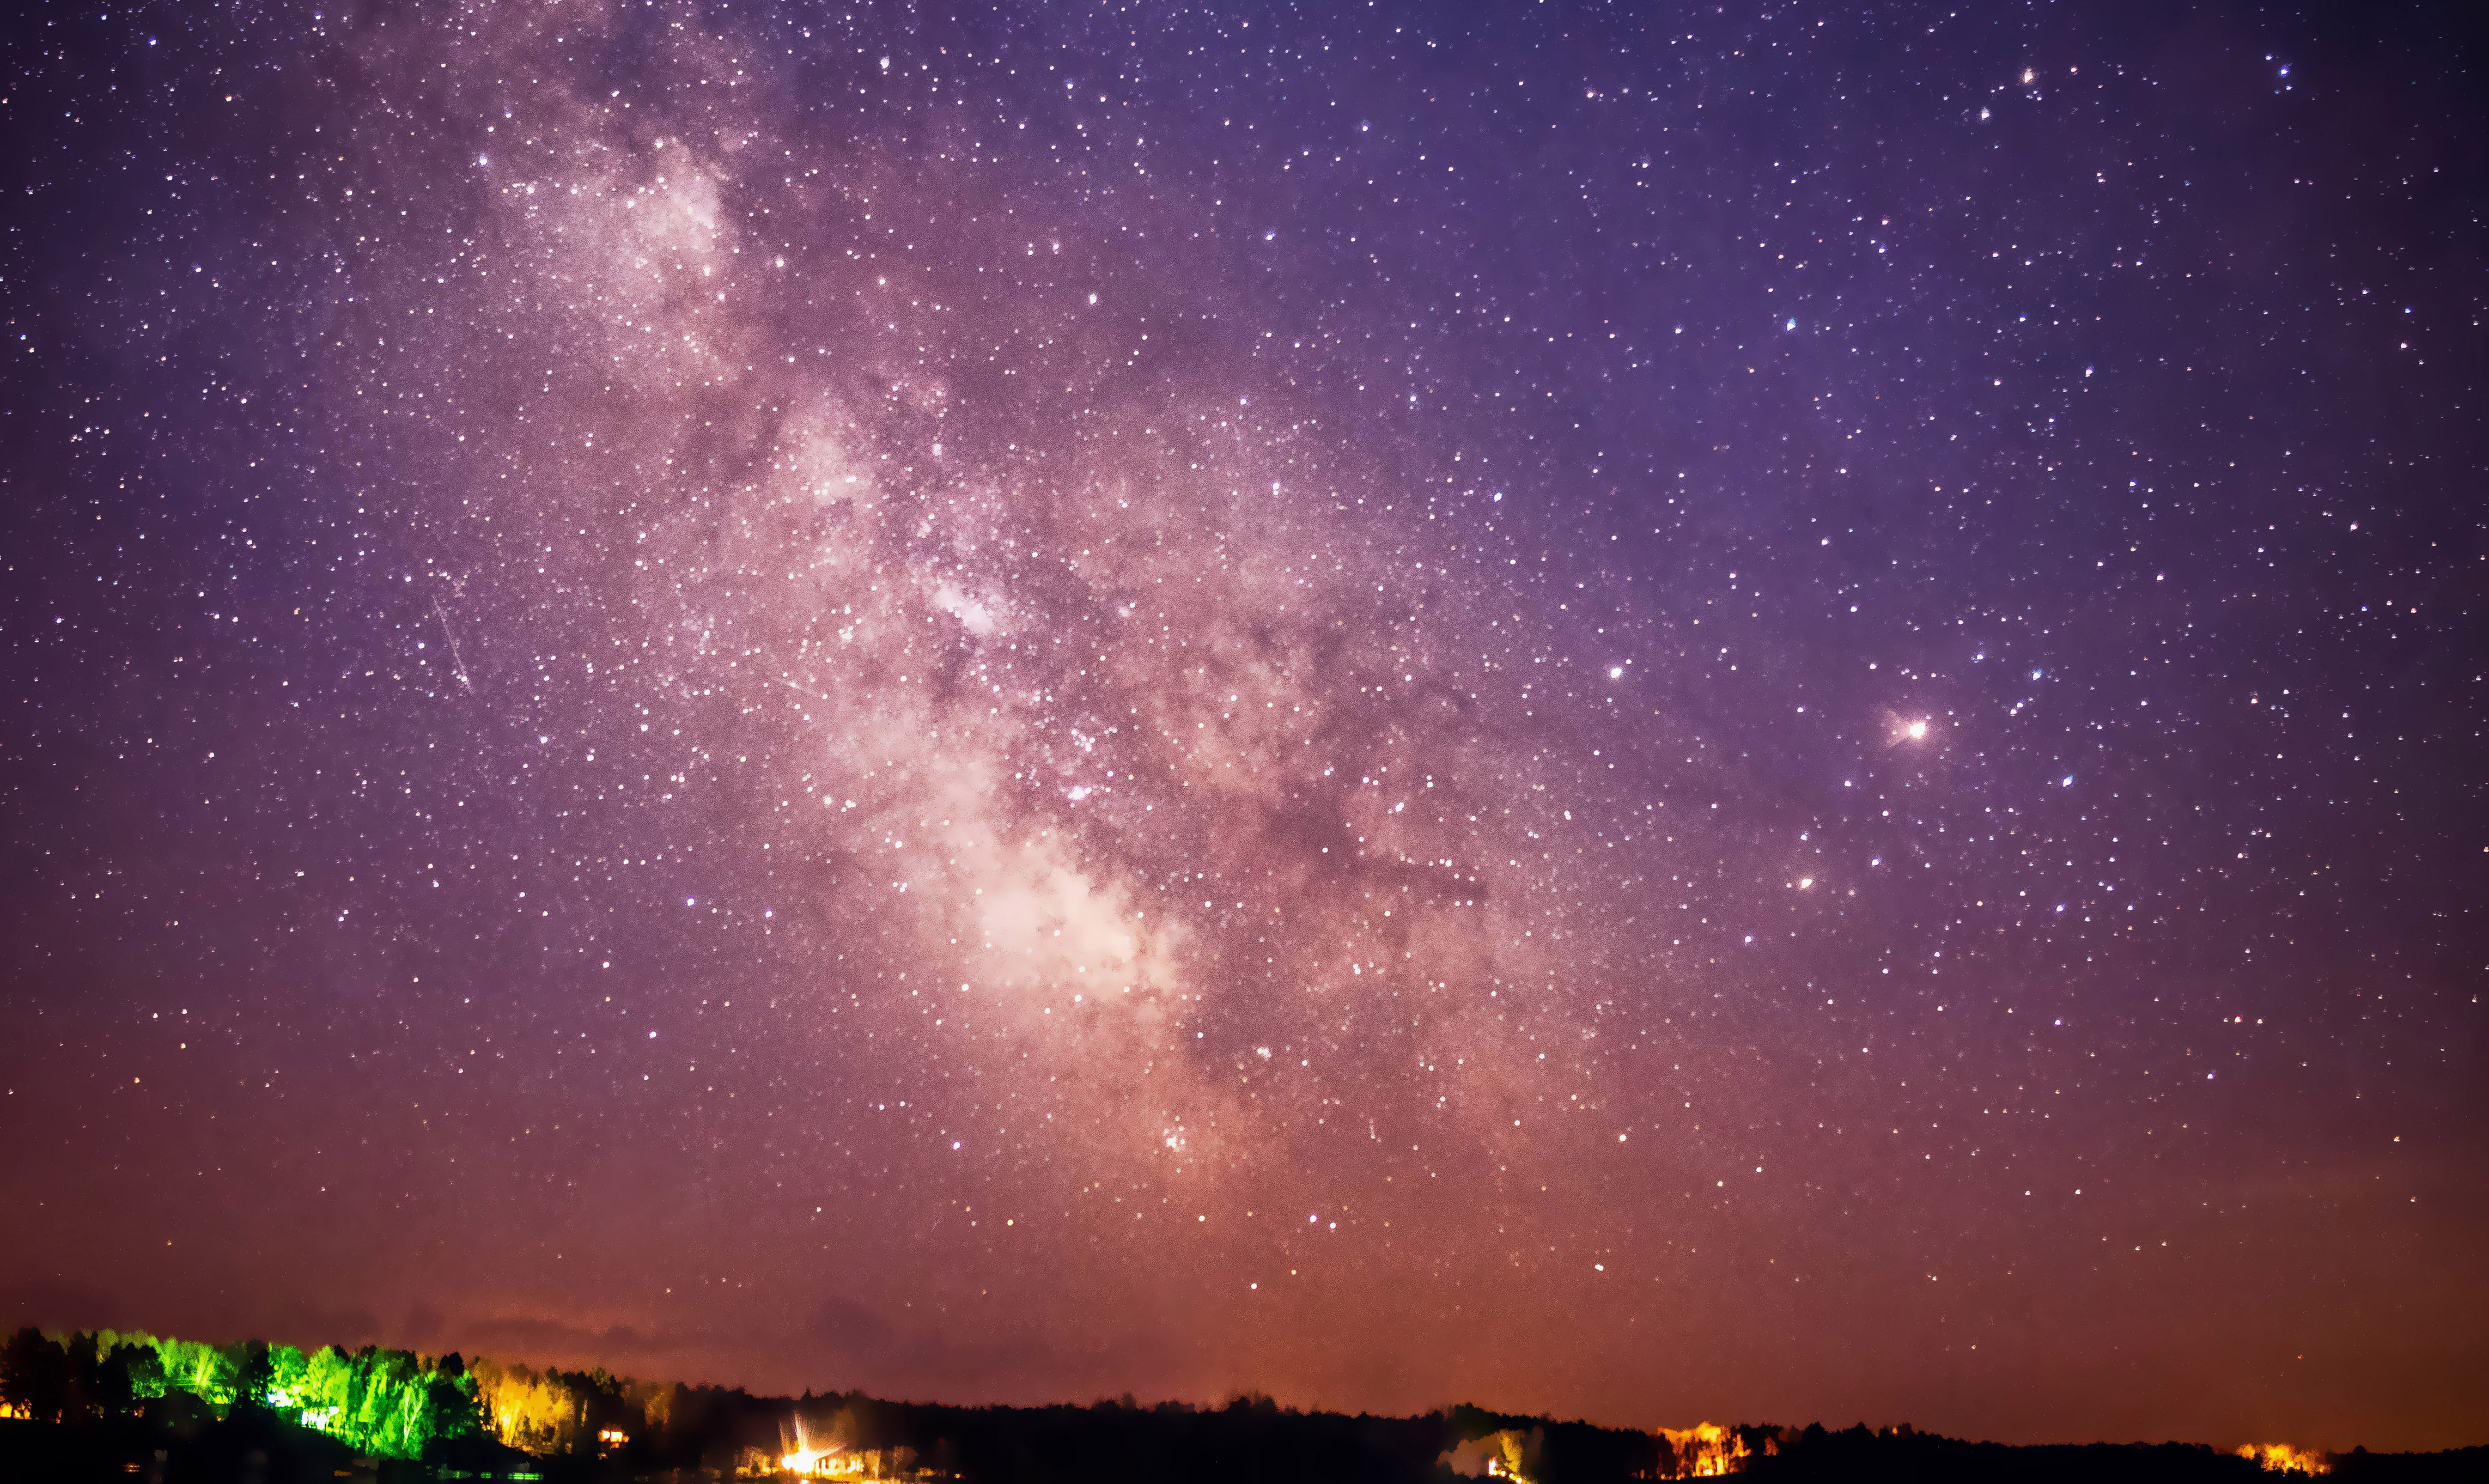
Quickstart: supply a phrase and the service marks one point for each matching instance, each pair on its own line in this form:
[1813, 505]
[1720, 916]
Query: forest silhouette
[117, 1404]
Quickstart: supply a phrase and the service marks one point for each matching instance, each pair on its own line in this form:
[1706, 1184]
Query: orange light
[1704, 1451]
[2282, 1458]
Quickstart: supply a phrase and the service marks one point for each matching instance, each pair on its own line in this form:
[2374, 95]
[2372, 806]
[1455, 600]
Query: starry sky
[1754, 712]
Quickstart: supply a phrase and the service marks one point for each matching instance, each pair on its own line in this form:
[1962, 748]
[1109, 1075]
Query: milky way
[1759, 716]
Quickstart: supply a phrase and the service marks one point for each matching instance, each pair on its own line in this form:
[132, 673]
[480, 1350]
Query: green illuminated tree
[287, 1369]
[140, 1364]
[327, 1380]
[200, 1369]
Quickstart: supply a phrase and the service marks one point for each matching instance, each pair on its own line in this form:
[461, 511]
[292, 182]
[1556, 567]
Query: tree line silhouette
[106, 1403]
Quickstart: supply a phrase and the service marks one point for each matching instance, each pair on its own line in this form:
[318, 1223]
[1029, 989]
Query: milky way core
[1653, 715]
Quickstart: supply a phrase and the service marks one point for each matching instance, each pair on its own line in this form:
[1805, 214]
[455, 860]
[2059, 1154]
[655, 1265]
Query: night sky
[1740, 712]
